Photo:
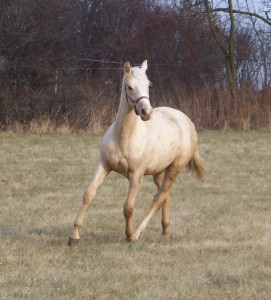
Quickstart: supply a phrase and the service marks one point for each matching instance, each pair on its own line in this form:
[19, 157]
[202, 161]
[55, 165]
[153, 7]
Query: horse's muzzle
[145, 115]
[144, 109]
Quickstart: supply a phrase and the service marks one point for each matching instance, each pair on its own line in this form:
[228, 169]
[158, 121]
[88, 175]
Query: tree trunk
[227, 46]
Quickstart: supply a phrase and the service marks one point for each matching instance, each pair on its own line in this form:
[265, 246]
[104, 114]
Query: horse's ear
[127, 68]
[144, 65]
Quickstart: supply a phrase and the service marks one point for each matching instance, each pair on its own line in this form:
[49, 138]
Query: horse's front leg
[99, 176]
[128, 208]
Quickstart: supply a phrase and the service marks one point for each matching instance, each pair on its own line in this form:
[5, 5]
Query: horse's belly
[174, 148]
[158, 163]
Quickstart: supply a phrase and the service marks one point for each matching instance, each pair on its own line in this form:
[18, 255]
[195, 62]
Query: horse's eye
[130, 88]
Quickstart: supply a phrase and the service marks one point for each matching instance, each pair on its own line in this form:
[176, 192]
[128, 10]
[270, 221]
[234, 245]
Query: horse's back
[173, 121]
[171, 114]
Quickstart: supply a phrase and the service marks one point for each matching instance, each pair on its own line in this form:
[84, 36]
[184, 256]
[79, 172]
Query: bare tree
[226, 43]
[53, 58]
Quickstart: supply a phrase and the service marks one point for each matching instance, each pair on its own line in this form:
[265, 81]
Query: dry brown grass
[211, 109]
[221, 226]
[91, 106]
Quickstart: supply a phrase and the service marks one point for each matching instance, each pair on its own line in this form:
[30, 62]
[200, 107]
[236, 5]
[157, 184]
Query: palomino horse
[143, 141]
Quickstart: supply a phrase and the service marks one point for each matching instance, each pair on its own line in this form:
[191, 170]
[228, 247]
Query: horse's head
[136, 88]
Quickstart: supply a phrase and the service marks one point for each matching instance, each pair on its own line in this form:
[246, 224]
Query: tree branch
[216, 31]
[248, 13]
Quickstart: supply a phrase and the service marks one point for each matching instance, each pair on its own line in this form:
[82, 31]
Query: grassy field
[221, 245]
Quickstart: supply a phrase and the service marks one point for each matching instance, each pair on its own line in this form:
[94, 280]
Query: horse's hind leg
[158, 179]
[165, 217]
[99, 176]
[159, 199]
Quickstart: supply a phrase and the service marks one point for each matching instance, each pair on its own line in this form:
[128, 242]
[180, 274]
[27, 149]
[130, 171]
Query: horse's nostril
[143, 112]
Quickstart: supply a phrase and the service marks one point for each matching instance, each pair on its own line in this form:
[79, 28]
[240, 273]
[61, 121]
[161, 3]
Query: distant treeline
[61, 61]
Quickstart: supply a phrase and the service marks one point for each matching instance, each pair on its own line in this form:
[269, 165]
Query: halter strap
[136, 100]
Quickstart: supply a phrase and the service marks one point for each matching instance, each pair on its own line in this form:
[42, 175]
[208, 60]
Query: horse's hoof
[168, 235]
[73, 242]
[131, 238]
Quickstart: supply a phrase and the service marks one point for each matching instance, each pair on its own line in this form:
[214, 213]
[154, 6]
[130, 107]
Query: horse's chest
[120, 166]
[124, 161]
[115, 159]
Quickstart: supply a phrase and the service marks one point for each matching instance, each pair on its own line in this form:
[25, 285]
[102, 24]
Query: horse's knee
[88, 196]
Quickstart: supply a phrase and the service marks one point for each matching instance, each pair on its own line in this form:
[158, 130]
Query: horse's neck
[126, 120]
